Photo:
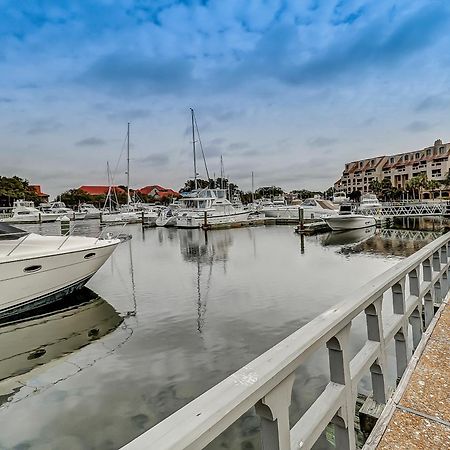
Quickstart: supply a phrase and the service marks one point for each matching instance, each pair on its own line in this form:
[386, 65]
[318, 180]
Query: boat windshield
[8, 232]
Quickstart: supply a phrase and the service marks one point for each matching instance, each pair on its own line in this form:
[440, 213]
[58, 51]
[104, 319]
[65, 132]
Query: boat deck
[418, 415]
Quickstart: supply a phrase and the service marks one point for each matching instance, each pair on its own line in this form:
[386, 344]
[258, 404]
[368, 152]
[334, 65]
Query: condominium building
[434, 161]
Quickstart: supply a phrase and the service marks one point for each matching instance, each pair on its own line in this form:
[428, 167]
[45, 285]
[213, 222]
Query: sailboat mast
[253, 189]
[221, 172]
[193, 148]
[109, 189]
[128, 164]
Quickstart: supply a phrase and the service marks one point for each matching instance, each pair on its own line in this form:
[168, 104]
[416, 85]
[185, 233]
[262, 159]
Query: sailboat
[129, 213]
[206, 206]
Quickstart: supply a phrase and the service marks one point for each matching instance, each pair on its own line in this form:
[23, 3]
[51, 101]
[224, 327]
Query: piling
[301, 218]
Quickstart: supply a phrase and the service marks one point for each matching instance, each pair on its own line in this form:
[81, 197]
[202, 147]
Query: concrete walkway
[418, 415]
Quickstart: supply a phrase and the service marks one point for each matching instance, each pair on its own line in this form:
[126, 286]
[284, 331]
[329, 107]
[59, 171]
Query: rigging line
[119, 159]
[201, 147]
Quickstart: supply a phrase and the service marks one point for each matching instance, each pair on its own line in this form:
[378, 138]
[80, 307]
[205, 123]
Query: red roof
[160, 191]
[100, 190]
[37, 189]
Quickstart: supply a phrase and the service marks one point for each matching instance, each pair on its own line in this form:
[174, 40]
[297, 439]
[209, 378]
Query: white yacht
[90, 211]
[25, 212]
[340, 197]
[314, 208]
[369, 201]
[349, 220]
[317, 208]
[211, 205]
[61, 210]
[167, 217]
[36, 270]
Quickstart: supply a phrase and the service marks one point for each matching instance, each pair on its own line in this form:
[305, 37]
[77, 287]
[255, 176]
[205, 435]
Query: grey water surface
[194, 308]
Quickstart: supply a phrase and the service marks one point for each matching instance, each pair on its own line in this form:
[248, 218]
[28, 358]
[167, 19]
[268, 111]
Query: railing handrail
[203, 419]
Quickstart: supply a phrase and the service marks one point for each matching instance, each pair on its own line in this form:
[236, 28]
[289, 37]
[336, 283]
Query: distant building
[37, 190]
[158, 192]
[100, 190]
[434, 161]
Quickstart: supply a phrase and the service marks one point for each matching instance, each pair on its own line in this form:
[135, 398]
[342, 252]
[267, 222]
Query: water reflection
[51, 332]
[203, 249]
[349, 237]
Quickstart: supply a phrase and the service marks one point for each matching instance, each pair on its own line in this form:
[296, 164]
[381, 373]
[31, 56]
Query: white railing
[409, 210]
[266, 383]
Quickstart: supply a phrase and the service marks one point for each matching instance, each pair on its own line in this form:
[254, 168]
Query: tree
[16, 188]
[355, 196]
[189, 185]
[268, 191]
[376, 187]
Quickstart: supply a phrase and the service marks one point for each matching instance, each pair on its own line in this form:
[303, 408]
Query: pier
[398, 308]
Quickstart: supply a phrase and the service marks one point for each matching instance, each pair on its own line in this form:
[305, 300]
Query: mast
[193, 148]
[221, 172]
[110, 187]
[128, 164]
[253, 189]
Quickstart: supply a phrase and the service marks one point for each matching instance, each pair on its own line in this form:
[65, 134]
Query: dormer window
[417, 155]
[360, 164]
[406, 157]
[392, 160]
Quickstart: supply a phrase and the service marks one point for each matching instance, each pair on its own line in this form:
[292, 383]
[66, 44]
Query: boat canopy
[8, 232]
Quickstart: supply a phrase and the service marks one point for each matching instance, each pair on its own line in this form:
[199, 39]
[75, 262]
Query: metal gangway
[407, 209]
[407, 292]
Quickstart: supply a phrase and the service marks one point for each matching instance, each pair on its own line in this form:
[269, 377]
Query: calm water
[188, 309]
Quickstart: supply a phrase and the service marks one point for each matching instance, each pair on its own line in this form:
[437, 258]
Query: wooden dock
[418, 415]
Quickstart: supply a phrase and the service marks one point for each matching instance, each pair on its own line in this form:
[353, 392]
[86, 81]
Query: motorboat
[167, 217]
[37, 270]
[25, 212]
[90, 211]
[210, 206]
[340, 197]
[279, 209]
[61, 210]
[349, 220]
[317, 208]
[369, 201]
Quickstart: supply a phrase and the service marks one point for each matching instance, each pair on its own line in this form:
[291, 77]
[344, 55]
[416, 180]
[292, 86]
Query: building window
[372, 162]
[441, 150]
[392, 160]
[346, 167]
[406, 157]
[417, 155]
[429, 152]
[360, 164]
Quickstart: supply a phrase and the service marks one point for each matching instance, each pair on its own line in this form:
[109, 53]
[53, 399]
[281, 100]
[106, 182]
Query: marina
[177, 340]
[224, 225]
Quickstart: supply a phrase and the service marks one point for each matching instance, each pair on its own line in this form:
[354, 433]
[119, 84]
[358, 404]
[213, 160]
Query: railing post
[426, 268]
[274, 412]
[402, 353]
[428, 307]
[338, 354]
[375, 333]
[416, 324]
[416, 317]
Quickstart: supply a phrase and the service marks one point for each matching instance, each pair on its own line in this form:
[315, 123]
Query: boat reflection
[50, 333]
[349, 237]
[204, 249]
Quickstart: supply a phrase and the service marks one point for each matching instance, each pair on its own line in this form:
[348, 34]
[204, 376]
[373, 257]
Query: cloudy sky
[289, 89]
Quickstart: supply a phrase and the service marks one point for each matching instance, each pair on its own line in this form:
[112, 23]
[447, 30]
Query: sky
[287, 89]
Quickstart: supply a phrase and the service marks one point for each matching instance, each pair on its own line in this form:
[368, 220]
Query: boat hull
[190, 221]
[349, 222]
[58, 275]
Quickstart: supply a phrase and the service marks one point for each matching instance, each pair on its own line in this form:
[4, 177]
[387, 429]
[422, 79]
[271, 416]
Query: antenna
[253, 189]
